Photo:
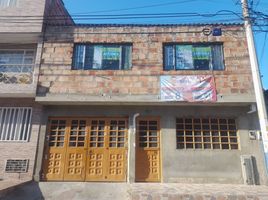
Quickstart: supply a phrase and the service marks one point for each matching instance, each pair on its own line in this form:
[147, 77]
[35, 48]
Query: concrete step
[137, 191]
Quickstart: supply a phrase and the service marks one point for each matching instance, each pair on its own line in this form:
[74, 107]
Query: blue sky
[110, 7]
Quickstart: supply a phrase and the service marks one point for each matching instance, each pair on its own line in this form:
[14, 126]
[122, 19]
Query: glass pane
[190, 146]
[143, 145]
[202, 57]
[153, 145]
[169, 58]
[180, 146]
[126, 57]
[180, 133]
[184, 57]
[88, 57]
[79, 57]
[217, 57]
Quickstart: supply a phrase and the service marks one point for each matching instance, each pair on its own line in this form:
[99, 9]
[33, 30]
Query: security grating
[15, 123]
[17, 166]
[8, 3]
[206, 133]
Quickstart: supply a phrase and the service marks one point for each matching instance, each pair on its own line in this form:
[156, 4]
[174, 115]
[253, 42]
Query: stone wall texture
[57, 76]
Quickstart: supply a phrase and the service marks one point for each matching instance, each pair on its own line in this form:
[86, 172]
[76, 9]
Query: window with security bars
[8, 3]
[102, 57]
[15, 123]
[204, 56]
[213, 133]
[16, 61]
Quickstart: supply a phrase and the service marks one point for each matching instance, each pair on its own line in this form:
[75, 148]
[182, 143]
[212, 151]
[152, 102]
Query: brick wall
[56, 76]
[21, 150]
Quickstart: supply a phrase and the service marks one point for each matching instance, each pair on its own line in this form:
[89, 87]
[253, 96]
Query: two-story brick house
[117, 103]
[21, 44]
[147, 103]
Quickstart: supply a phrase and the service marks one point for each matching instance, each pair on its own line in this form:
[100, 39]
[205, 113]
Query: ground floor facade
[168, 144]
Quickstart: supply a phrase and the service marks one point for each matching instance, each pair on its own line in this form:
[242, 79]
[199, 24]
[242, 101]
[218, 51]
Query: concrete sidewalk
[137, 191]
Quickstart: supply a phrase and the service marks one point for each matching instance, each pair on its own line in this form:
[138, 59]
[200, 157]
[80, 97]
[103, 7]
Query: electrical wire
[140, 7]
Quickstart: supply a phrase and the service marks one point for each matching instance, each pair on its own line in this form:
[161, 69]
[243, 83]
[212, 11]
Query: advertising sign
[188, 88]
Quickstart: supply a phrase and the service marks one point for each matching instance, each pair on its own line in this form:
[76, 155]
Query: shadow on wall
[29, 191]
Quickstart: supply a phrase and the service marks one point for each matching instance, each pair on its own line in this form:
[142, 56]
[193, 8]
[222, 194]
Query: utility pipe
[132, 131]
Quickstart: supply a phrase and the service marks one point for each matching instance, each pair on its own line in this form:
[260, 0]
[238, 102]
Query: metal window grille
[206, 133]
[15, 123]
[17, 166]
[7, 3]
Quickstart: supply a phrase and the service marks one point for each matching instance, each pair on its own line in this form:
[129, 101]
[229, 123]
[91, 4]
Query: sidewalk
[137, 191]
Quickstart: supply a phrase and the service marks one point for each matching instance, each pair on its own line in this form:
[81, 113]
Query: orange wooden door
[75, 162]
[55, 149]
[107, 150]
[96, 155]
[117, 130]
[148, 159]
[86, 149]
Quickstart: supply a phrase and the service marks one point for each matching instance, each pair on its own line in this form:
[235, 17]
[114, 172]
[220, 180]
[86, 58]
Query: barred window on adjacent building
[193, 57]
[8, 3]
[102, 57]
[15, 123]
[205, 133]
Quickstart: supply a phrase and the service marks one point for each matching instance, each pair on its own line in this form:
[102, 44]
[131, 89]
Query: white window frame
[15, 127]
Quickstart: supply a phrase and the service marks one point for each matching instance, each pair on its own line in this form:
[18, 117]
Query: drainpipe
[132, 133]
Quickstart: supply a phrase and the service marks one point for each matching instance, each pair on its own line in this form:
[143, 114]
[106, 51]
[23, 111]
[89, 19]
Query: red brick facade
[56, 76]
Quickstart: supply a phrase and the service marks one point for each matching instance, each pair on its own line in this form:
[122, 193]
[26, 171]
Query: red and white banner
[188, 88]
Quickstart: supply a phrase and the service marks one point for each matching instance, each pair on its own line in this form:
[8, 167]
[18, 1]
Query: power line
[77, 17]
[141, 7]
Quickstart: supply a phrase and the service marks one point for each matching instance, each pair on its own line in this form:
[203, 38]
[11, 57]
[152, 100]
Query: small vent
[17, 166]
[248, 170]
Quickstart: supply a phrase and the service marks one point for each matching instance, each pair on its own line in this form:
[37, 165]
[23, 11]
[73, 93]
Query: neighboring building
[21, 44]
[144, 103]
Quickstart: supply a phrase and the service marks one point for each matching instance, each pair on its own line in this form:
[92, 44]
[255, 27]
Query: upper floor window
[18, 61]
[193, 57]
[7, 3]
[102, 57]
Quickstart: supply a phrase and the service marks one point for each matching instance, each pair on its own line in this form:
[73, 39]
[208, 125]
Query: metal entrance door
[148, 163]
[86, 149]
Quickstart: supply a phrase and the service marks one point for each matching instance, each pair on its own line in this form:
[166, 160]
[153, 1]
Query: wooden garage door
[89, 150]
[148, 163]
